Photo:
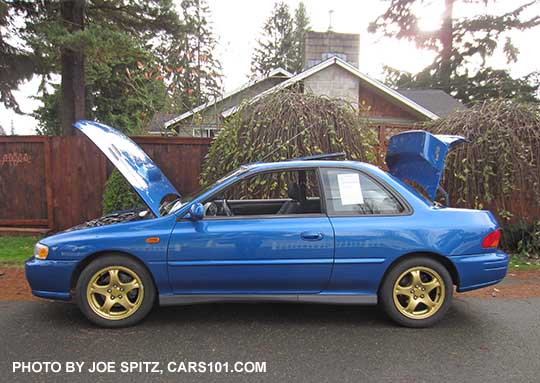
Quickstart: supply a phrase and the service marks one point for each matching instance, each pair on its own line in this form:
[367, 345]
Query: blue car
[306, 230]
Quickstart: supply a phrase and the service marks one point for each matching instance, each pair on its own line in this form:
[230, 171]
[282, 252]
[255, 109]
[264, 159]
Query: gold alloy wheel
[419, 292]
[115, 292]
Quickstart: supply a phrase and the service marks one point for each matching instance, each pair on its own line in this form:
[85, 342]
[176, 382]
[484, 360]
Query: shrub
[119, 194]
[499, 168]
[285, 125]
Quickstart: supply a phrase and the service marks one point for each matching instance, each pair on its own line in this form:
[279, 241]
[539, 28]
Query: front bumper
[50, 278]
[480, 270]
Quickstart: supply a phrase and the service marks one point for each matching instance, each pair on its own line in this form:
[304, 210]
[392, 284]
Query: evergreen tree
[2, 131]
[79, 52]
[123, 88]
[459, 42]
[276, 48]
[129, 63]
[301, 26]
[191, 70]
[16, 64]
[283, 41]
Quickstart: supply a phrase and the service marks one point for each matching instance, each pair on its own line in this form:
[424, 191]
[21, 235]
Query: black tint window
[350, 192]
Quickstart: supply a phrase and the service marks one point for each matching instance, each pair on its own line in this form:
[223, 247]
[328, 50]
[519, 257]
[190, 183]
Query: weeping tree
[499, 168]
[288, 124]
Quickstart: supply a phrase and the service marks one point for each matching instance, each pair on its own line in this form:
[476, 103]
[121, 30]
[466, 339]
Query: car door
[264, 239]
[370, 223]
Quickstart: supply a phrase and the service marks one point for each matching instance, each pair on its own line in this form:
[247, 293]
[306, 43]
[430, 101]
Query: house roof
[352, 69]
[279, 72]
[431, 103]
[435, 100]
[158, 120]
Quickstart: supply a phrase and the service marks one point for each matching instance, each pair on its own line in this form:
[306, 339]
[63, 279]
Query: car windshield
[173, 206]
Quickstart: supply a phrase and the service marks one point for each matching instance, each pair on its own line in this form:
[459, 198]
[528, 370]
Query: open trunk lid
[134, 164]
[419, 156]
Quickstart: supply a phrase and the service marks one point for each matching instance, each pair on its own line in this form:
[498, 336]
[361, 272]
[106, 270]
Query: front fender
[68, 249]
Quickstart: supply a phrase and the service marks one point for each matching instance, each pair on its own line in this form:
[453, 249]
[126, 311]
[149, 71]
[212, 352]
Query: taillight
[492, 239]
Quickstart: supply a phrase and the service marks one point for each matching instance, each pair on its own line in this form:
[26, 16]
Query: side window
[349, 192]
[275, 193]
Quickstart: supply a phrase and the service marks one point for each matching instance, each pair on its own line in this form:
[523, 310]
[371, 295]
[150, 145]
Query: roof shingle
[434, 100]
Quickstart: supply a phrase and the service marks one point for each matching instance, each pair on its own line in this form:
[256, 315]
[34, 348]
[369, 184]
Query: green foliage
[119, 194]
[529, 245]
[288, 124]
[301, 26]
[486, 85]
[282, 44]
[140, 57]
[190, 68]
[460, 44]
[499, 167]
[119, 91]
[16, 64]
[522, 238]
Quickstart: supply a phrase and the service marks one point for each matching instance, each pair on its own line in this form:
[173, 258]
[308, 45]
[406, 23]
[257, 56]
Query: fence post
[48, 183]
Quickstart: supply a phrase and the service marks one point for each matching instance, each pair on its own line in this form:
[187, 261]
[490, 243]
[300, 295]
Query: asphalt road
[480, 340]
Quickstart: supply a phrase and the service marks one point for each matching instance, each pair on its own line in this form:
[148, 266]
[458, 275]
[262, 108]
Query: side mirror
[196, 211]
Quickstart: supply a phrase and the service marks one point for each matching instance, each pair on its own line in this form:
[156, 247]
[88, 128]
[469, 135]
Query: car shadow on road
[260, 313]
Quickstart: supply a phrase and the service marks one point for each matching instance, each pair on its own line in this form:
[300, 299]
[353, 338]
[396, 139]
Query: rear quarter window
[350, 192]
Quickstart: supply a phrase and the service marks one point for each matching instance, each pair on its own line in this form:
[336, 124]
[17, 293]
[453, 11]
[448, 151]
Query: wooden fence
[57, 182]
[52, 183]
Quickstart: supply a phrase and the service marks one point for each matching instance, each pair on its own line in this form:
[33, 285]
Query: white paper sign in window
[350, 190]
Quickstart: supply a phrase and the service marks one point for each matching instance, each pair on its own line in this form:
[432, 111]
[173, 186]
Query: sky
[238, 24]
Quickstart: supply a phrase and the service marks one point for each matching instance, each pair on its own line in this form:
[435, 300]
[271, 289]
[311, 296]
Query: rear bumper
[480, 270]
[49, 278]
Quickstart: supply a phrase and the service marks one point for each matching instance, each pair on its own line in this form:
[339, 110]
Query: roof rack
[326, 156]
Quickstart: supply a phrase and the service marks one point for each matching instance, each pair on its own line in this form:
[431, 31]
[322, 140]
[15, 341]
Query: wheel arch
[437, 257]
[90, 258]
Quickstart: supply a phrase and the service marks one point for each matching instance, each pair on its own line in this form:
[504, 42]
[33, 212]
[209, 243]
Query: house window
[204, 131]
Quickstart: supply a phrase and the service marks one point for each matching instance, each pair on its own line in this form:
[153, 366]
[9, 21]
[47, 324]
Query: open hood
[419, 156]
[134, 164]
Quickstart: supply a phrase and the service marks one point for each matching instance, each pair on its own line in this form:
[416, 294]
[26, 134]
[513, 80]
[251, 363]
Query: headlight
[41, 251]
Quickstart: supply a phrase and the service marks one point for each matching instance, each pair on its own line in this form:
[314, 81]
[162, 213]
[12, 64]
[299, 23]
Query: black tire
[148, 290]
[386, 293]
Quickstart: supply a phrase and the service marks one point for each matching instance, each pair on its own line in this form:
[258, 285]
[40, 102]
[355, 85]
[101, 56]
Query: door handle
[311, 236]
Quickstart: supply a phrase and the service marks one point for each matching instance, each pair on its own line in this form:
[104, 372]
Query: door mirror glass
[196, 211]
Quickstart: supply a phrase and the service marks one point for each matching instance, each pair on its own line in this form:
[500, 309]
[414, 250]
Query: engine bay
[113, 218]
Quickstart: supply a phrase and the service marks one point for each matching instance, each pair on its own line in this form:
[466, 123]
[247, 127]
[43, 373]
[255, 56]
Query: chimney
[320, 46]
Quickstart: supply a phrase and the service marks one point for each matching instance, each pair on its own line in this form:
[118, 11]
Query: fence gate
[25, 187]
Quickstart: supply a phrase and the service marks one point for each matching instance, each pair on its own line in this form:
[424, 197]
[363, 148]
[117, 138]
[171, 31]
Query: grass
[16, 250]
[519, 262]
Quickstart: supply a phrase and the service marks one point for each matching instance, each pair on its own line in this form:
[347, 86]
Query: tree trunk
[72, 104]
[447, 30]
